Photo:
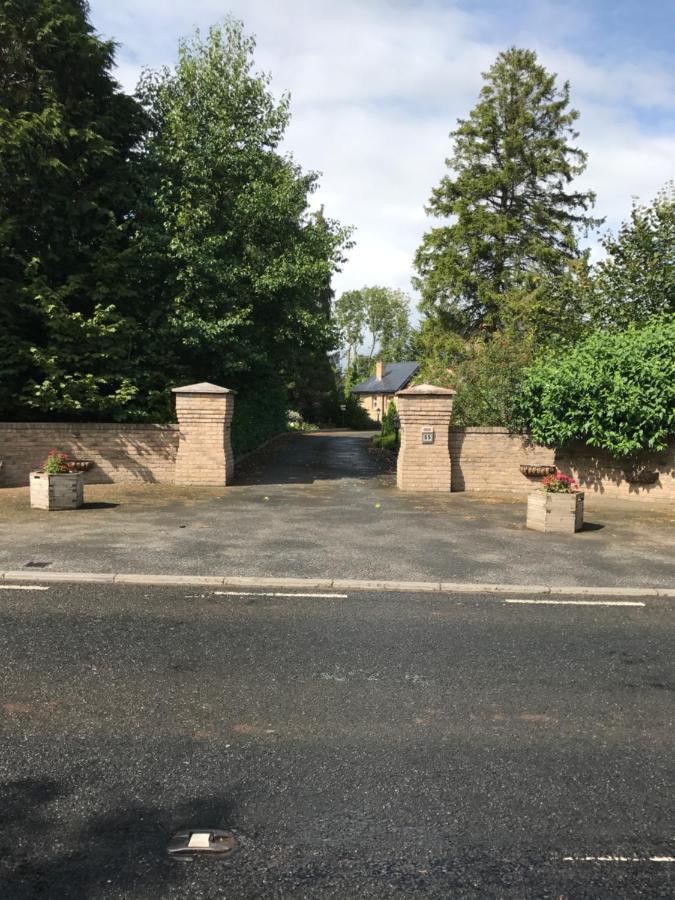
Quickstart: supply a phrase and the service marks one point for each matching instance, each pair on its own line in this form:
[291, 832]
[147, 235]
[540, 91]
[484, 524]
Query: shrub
[386, 441]
[389, 420]
[613, 391]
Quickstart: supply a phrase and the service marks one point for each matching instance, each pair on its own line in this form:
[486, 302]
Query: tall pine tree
[514, 214]
[68, 334]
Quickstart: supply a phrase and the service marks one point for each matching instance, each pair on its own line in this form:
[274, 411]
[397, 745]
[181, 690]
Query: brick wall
[598, 473]
[489, 459]
[121, 453]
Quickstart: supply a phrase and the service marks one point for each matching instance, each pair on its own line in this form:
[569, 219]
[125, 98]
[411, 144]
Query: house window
[374, 402]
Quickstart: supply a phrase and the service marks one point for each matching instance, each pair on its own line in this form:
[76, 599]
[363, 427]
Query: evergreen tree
[516, 216]
[68, 333]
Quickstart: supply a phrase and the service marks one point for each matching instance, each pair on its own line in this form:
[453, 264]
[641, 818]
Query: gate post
[425, 412]
[204, 413]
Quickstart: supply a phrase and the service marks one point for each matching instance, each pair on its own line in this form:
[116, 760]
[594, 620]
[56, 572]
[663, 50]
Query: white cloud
[376, 86]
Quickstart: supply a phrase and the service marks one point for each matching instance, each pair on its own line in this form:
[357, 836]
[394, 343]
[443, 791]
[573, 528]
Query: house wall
[121, 453]
[377, 409]
[489, 459]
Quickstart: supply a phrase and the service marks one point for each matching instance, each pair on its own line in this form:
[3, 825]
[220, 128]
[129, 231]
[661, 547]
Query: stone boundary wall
[488, 460]
[121, 452]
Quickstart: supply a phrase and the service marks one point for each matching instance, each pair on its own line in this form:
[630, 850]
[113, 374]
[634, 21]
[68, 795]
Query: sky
[377, 85]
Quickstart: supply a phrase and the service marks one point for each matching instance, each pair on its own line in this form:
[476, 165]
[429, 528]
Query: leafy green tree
[613, 390]
[235, 259]
[377, 317]
[69, 328]
[514, 215]
[636, 280]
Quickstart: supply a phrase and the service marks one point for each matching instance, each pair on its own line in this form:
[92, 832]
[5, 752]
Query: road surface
[361, 745]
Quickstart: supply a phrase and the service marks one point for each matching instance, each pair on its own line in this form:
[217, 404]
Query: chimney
[379, 370]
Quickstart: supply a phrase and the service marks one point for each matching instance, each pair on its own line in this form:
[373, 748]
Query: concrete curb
[337, 584]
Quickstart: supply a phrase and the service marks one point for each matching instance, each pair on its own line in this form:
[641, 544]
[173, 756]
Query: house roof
[396, 376]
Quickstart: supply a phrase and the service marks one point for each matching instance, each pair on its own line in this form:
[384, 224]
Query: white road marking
[628, 859]
[580, 602]
[278, 594]
[23, 587]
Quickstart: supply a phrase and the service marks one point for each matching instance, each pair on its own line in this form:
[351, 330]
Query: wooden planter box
[56, 491]
[555, 512]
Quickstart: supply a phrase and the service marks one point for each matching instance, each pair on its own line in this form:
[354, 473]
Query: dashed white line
[620, 859]
[23, 587]
[579, 602]
[279, 594]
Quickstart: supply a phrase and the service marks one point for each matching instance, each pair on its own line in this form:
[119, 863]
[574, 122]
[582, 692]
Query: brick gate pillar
[204, 413]
[425, 412]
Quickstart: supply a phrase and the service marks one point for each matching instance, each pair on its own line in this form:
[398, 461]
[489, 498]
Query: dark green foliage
[315, 391]
[69, 330]
[487, 379]
[614, 391]
[154, 243]
[389, 419]
[516, 216]
[389, 441]
[485, 371]
[258, 416]
[234, 257]
[355, 416]
[359, 370]
[636, 280]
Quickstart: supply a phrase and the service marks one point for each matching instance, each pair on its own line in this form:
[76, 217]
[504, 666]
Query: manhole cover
[189, 843]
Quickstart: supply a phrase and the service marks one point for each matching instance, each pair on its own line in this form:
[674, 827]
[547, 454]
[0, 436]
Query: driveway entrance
[324, 505]
[308, 457]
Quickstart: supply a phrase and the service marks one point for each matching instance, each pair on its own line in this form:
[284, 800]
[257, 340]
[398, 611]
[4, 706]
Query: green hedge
[614, 391]
[257, 418]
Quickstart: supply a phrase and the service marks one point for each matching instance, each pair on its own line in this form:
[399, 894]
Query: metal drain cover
[189, 843]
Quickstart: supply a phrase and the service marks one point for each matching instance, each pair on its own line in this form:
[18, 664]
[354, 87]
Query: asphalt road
[358, 747]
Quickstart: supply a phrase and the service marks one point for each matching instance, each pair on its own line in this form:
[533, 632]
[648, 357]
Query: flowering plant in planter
[55, 485]
[57, 463]
[560, 484]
